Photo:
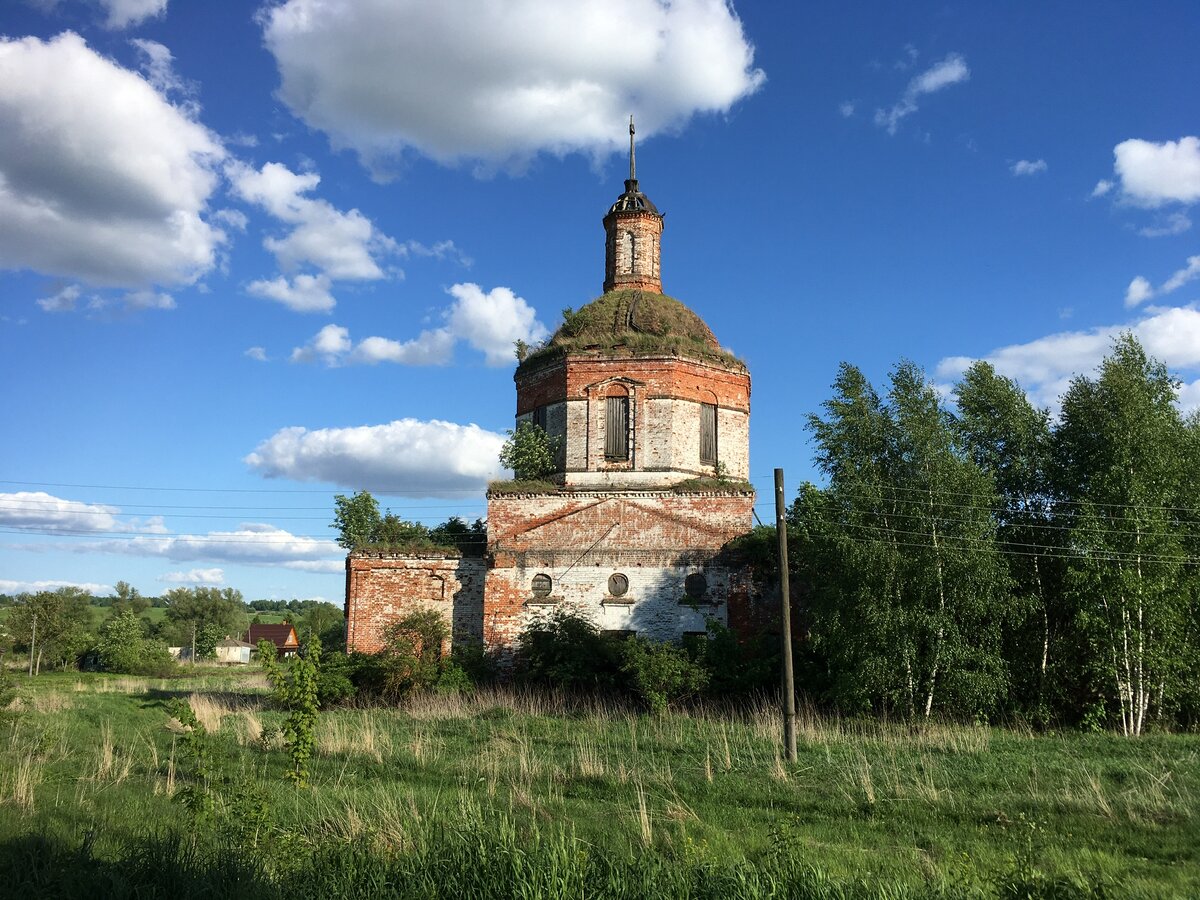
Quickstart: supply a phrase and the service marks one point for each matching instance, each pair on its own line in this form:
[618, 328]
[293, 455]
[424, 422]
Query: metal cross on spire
[632, 158]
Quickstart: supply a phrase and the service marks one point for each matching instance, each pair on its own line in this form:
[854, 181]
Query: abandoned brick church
[653, 422]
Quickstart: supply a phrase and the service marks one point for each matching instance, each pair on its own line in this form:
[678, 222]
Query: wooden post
[32, 644]
[789, 684]
[193, 642]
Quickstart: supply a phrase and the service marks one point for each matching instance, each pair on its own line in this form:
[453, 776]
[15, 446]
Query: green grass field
[96, 760]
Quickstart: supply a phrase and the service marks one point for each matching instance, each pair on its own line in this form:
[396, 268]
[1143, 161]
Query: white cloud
[1190, 272]
[148, 300]
[1153, 174]
[490, 321]
[502, 82]
[327, 345]
[252, 543]
[1175, 223]
[7, 586]
[432, 347]
[1189, 396]
[258, 354]
[194, 576]
[1103, 186]
[1139, 291]
[63, 301]
[951, 70]
[342, 245]
[1027, 167]
[102, 179]
[235, 219]
[433, 458]
[123, 13]
[304, 293]
[158, 65]
[846, 109]
[1046, 366]
[37, 510]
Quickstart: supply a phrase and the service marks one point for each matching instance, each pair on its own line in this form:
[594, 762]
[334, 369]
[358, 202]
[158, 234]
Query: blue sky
[252, 255]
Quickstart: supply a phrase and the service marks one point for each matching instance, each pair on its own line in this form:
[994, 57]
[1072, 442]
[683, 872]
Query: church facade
[651, 420]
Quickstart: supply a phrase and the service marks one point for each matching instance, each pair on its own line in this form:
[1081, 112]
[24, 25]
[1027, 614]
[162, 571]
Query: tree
[529, 452]
[911, 612]
[356, 518]
[123, 647]
[204, 615]
[52, 625]
[1126, 469]
[1010, 439]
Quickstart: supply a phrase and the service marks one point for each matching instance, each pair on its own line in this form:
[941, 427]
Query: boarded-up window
[616, 428]
[708, 434]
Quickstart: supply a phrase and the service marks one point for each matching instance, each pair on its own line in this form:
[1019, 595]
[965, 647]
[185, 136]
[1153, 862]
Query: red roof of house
[282, 636]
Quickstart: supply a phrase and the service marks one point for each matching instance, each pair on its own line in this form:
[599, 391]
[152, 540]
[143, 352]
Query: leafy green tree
[660, 673]
[123, 647]
[125, 596]
[529, 452]
[53, 625]
[396, 531]
[910, 613]
[356, 519]
[1126, 475]
[1010, 439]
[205, 613]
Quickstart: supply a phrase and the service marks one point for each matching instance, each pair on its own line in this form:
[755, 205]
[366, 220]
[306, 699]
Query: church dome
[639, 321]
[633, 200]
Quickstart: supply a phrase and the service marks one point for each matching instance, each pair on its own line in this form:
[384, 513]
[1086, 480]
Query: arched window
[616, 424]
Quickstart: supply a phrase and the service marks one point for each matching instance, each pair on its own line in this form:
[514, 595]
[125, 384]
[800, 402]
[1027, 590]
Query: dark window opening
[708, 434]
[616, 428]
[539, 417]
[695, 586]
[619, 634]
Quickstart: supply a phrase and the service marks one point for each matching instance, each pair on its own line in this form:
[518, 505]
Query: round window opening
[618, 584]
[542, 585]
[695, 585]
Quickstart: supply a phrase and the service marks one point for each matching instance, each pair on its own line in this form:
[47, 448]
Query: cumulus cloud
[102, 179]
[951, 70]
[1154, 174]
[1045, 366]
[343, 245]
[8, 586]
[194, 576]
[45, 512]
[501, 82]
[304, 293]
[493, 321]
[252, 543]
[124, 13]
[258, 354]
[1139, 291]
[489, 321]
[1028, 167]
[433, 458]
[1103, 186]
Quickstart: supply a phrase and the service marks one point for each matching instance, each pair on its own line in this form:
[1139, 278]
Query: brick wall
[384, 587]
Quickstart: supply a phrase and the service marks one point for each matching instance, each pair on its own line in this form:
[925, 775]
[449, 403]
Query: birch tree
[1124, 456]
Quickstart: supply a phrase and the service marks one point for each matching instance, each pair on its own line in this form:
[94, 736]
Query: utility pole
[32, 644]
[789, 684]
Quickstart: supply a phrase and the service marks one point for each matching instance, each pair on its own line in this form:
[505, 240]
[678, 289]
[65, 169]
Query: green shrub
[123, 648]
[529, 452]
[333, 679]
[566, 650]
[660, 673]
[412, 659]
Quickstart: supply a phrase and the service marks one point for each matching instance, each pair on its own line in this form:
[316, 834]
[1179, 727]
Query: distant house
[234, 652]
[283, 636]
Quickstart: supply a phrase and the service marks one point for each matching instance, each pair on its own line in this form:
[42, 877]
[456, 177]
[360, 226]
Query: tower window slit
[616, 428]
[708, 434]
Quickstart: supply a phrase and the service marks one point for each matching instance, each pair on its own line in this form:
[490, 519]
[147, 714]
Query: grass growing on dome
[706, 484]
[638, 322]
